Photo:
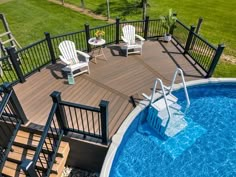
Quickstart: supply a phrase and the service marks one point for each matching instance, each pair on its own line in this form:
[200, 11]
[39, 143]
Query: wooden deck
[114, 80]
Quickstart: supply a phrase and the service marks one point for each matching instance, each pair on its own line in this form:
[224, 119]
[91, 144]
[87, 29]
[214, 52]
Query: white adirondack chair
[131, 44]
[77, 62]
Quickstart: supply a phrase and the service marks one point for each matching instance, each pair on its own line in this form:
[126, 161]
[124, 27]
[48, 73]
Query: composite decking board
[114, 80]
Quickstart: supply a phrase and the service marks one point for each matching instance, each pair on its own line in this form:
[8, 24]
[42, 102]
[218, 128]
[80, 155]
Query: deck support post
[117, 30]
[189, 39]
[104, 120]
[11, 51]
[87, 35]
[60, 113]
[50, 47]
[215, 60]
[15, 103]
[28, 167]
[146, 27]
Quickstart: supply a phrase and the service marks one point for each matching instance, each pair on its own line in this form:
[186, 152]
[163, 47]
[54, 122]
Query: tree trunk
[144, 2]
[82, 3]
[108, 10]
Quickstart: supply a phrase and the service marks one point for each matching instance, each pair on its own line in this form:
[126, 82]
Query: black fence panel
[79, 38]
[202, 52]
[156, 28]
[33, 57]
[7, 71]
[180, 34]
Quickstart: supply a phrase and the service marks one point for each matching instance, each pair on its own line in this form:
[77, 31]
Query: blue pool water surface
[205, 148]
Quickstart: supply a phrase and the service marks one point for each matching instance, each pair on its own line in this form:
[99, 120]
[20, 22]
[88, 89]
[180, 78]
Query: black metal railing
[7, 71]
[20, 64]
[45, 155]
[10, 121]
[81, 119]
[180, 34]
[201, 51]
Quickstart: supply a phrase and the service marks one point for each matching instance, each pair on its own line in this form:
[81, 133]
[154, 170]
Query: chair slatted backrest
[129, 33]
[68, 50]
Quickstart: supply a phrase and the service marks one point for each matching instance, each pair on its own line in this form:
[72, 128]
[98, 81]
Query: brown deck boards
[114, 80]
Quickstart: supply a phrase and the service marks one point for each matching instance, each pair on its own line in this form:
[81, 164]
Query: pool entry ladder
[165, 115]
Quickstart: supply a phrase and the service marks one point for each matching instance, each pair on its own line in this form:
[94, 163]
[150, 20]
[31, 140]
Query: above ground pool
[206, 147]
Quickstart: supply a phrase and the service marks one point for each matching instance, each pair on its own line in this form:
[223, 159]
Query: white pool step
[160, 104]
[158, 121]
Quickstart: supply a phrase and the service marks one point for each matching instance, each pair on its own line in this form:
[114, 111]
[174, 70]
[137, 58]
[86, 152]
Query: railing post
[60, 113]
[215, 60]
[15, 63]
[87, 35]
[117, 30]
[146, 27]
[50, 47]
[189, 39]
[15, 103]
[28, 167]
[104, 120]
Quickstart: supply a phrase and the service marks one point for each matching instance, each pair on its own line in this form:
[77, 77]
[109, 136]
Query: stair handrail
[10, 120]
[28, 166]
[178, 70]
[164, 95]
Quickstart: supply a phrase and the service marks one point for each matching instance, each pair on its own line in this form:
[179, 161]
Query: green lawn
[29, 19]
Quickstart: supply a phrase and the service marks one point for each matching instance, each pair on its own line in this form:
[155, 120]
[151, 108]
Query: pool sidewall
[117, 138]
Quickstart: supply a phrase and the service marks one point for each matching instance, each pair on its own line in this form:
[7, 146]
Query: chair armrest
[83, 53]
[125, 40]
[139, 37]
[64, 60]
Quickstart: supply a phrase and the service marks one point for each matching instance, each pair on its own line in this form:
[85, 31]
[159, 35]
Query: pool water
[207, 147]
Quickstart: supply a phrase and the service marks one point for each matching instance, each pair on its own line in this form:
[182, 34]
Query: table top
[95, 42]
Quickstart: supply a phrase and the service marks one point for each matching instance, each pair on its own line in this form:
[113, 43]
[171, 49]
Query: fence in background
[18, 65]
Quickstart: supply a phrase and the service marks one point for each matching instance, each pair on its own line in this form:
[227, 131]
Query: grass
[29, 19]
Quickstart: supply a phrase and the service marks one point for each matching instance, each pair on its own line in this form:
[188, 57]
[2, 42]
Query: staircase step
[160, 104]
[31, 141]
[24, 147]
[20, 153]
[12, 169]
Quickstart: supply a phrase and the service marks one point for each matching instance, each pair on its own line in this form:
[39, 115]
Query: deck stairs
[165, 115]
[24, 147]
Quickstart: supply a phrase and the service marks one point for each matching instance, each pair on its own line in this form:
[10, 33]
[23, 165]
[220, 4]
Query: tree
[144, 4]
[82, 3]
[108, 10]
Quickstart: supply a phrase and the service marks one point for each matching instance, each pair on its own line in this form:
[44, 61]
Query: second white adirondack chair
[133, 42]
[77, 62]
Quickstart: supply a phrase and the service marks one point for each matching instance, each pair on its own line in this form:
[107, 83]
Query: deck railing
[81, 119]
[201, 51]
[45, 155]
[20, 64]
[10, 120]
[7, 72]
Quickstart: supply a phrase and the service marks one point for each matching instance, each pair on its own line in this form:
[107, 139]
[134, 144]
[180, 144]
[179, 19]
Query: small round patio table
[98, 51]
